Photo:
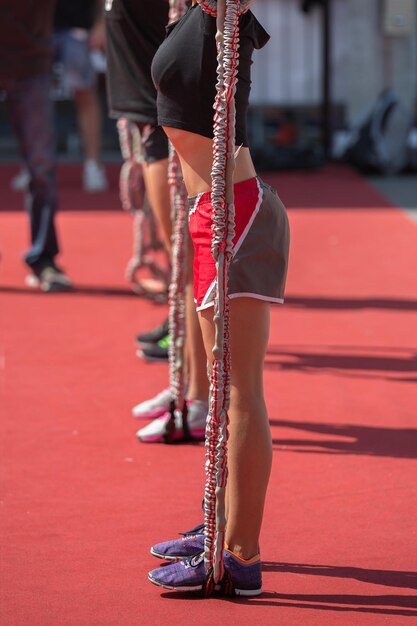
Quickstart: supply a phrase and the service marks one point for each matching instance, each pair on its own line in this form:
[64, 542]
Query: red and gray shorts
[260, 246]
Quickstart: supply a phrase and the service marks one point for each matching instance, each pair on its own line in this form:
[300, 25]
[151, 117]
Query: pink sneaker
[153, 408]
[158, 431]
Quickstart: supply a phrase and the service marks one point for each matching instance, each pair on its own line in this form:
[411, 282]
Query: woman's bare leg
[89, 121]
[250, 448]
[198, 383]
[156, 182]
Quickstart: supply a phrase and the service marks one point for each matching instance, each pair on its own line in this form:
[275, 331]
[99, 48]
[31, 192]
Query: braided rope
[177, 287]
[131, 185]
[177, 8]
[227, 38]
[177, 329]
[212, 6]
[133, 199]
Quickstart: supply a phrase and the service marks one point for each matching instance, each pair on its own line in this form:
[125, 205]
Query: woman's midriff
[196, 156]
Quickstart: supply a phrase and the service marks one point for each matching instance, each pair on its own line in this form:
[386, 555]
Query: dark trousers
[32, 116]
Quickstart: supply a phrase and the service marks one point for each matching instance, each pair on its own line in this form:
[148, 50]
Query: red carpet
[82, 500]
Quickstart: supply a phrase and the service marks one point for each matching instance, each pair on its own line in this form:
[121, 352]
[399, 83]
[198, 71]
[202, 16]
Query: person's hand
[97, 37]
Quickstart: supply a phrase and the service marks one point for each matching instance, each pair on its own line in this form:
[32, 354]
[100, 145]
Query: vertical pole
[177, 329]
[326, 87]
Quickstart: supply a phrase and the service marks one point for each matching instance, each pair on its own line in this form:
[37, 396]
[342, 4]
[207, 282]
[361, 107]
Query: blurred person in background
[134, 31]
[25, 77]
[78, 31]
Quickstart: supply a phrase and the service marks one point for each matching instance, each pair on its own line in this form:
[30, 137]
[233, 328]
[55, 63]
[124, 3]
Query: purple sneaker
[190, 575]
[190, 544]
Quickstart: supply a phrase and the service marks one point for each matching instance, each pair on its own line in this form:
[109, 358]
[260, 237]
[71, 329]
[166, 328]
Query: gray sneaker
[50, 278]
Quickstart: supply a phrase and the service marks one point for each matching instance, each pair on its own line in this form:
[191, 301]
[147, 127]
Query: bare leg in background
[156, 181]
[89, 121]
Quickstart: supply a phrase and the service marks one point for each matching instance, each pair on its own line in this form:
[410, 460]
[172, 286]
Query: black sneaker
[50, 278]
[157, 351]
[150, 338]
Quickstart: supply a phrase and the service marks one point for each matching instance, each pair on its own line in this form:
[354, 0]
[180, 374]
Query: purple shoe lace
[191, 543]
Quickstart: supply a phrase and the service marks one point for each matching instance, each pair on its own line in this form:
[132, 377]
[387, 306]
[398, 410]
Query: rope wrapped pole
[177, 330]
[133, 198]
[177, 8]
[131, 184]
[177, 287]
[227, 38]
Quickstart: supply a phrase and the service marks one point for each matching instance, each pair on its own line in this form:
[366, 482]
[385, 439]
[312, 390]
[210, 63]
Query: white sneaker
[32, 281]
[21, 181]
[94, 177]
[155, 407]
[158, 431]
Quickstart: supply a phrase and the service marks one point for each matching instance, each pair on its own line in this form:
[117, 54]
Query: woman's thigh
[249, 333]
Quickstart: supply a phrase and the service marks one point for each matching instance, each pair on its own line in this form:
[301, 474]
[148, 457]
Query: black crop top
[184, 72]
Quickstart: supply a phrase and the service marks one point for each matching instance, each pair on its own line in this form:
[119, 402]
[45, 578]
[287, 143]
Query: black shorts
[134, 31]
[154, 143]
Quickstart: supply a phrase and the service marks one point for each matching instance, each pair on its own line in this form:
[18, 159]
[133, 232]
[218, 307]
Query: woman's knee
[247, 395]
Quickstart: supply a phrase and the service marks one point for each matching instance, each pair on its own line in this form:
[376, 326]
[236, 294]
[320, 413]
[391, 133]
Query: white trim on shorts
[195, 200]
[204, 304]
[244, 294]
[207, 305]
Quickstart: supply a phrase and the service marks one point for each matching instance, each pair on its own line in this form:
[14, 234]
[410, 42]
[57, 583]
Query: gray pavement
[400, 190]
